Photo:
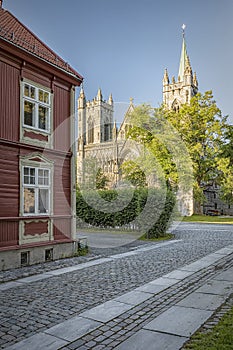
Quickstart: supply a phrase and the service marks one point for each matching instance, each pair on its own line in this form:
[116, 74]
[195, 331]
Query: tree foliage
[204, 132]
[132, 173]
[101, 180]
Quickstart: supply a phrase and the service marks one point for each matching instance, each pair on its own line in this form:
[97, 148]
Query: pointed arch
[176, 105]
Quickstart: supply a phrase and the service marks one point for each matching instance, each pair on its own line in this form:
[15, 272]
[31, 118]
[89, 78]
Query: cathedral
[102, 142]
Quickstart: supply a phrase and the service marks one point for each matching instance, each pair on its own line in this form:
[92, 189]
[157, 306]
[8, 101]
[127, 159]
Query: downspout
[73, 163]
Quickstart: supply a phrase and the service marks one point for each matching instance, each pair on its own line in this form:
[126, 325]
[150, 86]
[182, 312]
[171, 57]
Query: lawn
[208, 219]
[219, 338]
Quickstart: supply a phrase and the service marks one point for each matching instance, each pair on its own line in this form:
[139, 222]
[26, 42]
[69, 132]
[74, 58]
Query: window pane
[32, 92]
[43, 205]
[26, 90]
[29, 91]
[43, 177]
[29, 109]
[29, 200]
[32, 176]
[43, 96]
[29, 176]
[46, 97]
[43, 117]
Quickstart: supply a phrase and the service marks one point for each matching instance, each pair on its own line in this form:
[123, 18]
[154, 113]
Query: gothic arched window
[176, 106]
[90, 130]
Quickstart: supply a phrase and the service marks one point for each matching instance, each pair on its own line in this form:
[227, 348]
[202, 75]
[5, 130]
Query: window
[25, 258]
[36, 190]
[49, 254]
[90, 131]
[36, 107]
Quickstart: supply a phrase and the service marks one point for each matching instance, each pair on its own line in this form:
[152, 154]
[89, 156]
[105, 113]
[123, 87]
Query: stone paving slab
[168, 282]
[196, 266]
[217, 287]
[178, 274]
[133, 298]
[150, 340]
[8, 285]
[80, 266]
[35, 278]
[225, 276]
[202, 301]
[123, 255]
[158, 245]
[152, 288]
[40, 341]
[180, 321]
[226, 250]
[107, 311]
[74, 328]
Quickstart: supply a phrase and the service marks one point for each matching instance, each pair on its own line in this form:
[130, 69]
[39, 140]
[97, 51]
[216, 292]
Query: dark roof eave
[77, 77]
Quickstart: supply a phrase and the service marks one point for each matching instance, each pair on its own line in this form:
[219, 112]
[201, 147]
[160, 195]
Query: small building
[213, 204]
[37, 148]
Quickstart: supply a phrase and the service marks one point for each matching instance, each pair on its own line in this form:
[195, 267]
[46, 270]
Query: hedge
[147, 210]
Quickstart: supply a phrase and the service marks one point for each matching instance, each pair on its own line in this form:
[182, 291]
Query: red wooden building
[37, 148]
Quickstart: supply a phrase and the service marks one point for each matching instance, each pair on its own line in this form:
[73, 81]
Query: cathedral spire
[81, 98]
[183, 57]
[195, 82]
[165, 77]
[110, 99]
[99, 95]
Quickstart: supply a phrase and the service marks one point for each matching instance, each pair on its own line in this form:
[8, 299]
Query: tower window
[176, 106]
[106, 132]
[90, 131]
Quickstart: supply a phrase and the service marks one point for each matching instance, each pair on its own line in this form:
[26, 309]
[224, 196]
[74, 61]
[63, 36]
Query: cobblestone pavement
[31, 308]
[112, 333]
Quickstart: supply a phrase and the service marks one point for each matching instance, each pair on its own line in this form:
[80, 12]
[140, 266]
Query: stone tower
[181, 91]
[95, 130]
[175, 94]
[95, 119]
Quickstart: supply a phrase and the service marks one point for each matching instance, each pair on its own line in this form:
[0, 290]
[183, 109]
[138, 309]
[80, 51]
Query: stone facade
[101, 145]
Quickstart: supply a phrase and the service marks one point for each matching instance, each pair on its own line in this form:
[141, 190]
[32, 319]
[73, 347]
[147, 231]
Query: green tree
[132, 173]
[101, 180]
[225, 164]
[202, 129]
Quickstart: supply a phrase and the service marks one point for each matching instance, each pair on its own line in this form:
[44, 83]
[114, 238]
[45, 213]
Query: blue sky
[123, 46]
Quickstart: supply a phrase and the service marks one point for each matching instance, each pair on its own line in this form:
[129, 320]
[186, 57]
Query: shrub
[138, 208]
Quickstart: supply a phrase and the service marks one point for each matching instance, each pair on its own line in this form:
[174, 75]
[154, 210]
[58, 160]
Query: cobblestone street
[34, 304]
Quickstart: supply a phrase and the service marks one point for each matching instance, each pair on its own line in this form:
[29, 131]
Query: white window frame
[36, 187]
[37, 103]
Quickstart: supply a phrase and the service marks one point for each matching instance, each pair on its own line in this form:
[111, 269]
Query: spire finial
[99, 95]
[183, 56]
[183, 28]
[131, 100]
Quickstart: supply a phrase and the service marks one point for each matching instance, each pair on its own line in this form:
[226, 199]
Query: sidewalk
[158, 315]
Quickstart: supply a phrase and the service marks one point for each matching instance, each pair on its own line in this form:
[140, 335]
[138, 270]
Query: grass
[142, 238]
[208, 219]
[163, 238]
[102, 230]
[219, 338]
